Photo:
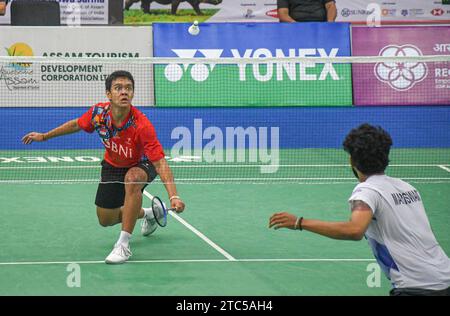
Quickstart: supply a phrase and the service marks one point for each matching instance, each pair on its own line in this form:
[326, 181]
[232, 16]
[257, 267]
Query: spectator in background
[3, 4]
[306, 10]
[35, 13]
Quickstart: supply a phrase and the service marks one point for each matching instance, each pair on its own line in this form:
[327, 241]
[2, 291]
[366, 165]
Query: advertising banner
[75, 12]
[272, 84]
[95, 12]
[71, 83]
[354, 11]
[265, 128]
[394, 11]
[412, 83]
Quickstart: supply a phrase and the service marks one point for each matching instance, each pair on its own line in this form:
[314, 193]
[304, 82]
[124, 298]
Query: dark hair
[368, 147]
[115, 75]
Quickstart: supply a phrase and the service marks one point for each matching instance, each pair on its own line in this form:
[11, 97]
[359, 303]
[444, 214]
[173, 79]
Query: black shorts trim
[111, 189]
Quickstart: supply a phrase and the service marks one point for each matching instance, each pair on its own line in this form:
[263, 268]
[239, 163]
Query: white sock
[124, 238]
[148, 212]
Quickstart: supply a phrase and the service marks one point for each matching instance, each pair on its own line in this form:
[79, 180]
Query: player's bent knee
[135, 179]
[133, 188]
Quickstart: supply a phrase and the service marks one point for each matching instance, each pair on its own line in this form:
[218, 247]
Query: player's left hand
[177, 204]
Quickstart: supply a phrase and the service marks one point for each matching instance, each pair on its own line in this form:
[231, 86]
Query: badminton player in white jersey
[390, 214]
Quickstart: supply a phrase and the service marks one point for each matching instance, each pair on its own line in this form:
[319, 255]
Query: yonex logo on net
[198, 72]
[401, 76]
[292, 71]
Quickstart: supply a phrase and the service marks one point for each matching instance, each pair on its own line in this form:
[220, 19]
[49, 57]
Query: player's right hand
[33, 137]
[282, 220]
[178, 205]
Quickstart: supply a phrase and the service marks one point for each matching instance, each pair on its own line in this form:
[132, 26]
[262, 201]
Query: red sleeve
[85, 121]
[148, 140]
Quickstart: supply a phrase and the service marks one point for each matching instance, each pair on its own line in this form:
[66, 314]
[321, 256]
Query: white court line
[262, 180]
[51, 167]
[189, 261]
[51, 181]
[198, 233]
[206, 165]
[444, 167]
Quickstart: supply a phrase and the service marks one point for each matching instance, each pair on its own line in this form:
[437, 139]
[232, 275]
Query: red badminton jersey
[126, 145]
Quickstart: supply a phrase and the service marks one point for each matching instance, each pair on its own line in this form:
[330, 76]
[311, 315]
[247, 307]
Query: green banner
[253, 85]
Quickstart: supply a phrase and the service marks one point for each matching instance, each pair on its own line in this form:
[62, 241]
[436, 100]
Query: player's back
[402, 227]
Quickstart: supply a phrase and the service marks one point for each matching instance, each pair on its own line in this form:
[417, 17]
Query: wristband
[174, 197]
[298, 223]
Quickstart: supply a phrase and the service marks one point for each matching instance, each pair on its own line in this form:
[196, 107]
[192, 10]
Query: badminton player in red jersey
[133, 158]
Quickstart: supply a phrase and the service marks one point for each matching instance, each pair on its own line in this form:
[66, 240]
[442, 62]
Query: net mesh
[232, 120]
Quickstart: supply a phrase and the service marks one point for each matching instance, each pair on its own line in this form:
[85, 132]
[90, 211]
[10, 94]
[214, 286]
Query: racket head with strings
[158, 204]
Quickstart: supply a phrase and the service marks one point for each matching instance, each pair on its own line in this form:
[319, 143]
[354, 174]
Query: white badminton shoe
[119, 254]
[149, 225]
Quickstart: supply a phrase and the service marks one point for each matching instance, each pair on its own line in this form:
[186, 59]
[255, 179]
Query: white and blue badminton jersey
[400, 234]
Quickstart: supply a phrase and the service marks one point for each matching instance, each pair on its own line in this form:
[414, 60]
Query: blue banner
[410, 127]
[235, 38]
[270, 84]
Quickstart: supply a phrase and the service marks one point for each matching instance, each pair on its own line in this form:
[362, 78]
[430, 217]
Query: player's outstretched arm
[66, 128]
[354, 229]
[166, 175]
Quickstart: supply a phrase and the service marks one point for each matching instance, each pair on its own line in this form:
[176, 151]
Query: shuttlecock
[194, 29]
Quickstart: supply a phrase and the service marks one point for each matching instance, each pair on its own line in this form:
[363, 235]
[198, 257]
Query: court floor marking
[206, 165]
[197, 232]
[261, 180]
[52, 167]
[444, 167]
[231, 165]
[18, 263]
